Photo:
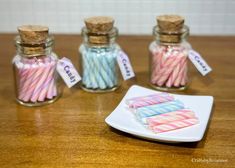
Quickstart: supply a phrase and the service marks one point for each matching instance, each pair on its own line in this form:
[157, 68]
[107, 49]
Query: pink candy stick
[49, 80]
[176, 72]
[168, 64]
[181, 73]
[157, 60]
[54, 90]
[167, 70]
[41, 83]
[173, 76]
[174, 125]
[36, 77]
[148, 96]
[50, 92]
[25, 85]
[184, 77]
[169, 117]
[150, 100]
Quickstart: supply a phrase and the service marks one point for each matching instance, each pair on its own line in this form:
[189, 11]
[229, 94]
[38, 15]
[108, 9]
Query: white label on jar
[125, 66]
[199, 62]
[68, 72]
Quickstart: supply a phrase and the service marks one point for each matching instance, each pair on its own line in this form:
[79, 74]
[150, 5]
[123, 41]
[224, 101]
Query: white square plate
[124, 120]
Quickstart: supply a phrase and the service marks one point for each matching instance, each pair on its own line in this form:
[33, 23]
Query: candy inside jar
[98, 55]
[169, 54]
[35, 67]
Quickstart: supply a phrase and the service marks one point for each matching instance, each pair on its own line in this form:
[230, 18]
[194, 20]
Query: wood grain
[72, 132]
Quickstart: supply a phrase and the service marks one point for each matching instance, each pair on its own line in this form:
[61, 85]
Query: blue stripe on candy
[157, 109]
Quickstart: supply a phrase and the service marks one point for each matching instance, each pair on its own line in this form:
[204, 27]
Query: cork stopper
[170, 23]
[33, 39]
[99, 28]
[170, 28]
[99, 24]
[33, 33]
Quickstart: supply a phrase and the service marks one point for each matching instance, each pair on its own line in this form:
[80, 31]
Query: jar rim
[184, 30]
[47, 43]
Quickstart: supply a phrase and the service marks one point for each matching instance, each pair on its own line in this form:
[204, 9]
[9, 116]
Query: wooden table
[72, 132]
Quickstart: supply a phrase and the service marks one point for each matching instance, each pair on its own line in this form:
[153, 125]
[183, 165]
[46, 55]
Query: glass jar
[98, 63]
[34, 66]
[168, 59]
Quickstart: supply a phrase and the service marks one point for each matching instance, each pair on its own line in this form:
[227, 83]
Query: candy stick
[150, 100]
[49, 80]
[167, 70]
[174, 125]
[157, 60]
[130, 100]
[169, 117]
[184, 77]
[40, 83]
[152, 110]
[173, 76]
[177, 112]
[181, 72]
[30, 71]
[35, 79]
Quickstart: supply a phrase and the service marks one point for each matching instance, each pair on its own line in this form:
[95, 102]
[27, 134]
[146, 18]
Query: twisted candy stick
[99, 71]
[169, 117]
[152, 110]
[149, 100]
[169, 66]
[174, 125]
[36, 79]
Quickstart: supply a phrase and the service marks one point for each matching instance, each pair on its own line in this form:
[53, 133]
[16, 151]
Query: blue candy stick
[157, 109]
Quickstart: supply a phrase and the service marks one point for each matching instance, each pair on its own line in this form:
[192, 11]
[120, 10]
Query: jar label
[68, 72]
[199, 62]
[125, 66]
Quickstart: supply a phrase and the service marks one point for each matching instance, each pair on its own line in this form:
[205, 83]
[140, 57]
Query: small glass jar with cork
[168, 54]
[34, 67]
[98, 54]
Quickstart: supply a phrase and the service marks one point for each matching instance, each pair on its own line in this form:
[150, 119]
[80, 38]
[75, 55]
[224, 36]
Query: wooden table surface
[72, 133]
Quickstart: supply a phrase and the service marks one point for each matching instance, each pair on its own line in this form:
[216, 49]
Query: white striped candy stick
[174, 125]
[168, 69]
[130, 100]
[40, 84]
[47, 82]
[89, 68]
[35, 79]
[169, 117]
[30, 75]
[167, 61]
[181, 72]
[113, 63]
[22, 74]
[144, 120]
[175, 73]
[96, 60]
[184, 77]
[85, 71]
[105, 71]
[146, 101]
[52, 84]
[157, 61]
[157, 109]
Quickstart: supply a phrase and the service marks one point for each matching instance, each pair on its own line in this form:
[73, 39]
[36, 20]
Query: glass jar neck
[34, 49]
[99, 39]
[170, 37]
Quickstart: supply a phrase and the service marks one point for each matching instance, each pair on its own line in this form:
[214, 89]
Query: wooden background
[72, 132]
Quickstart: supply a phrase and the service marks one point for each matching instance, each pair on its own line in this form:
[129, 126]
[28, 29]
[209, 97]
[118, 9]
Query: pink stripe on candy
[174, 125]
[149, 100]
[169, 117]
